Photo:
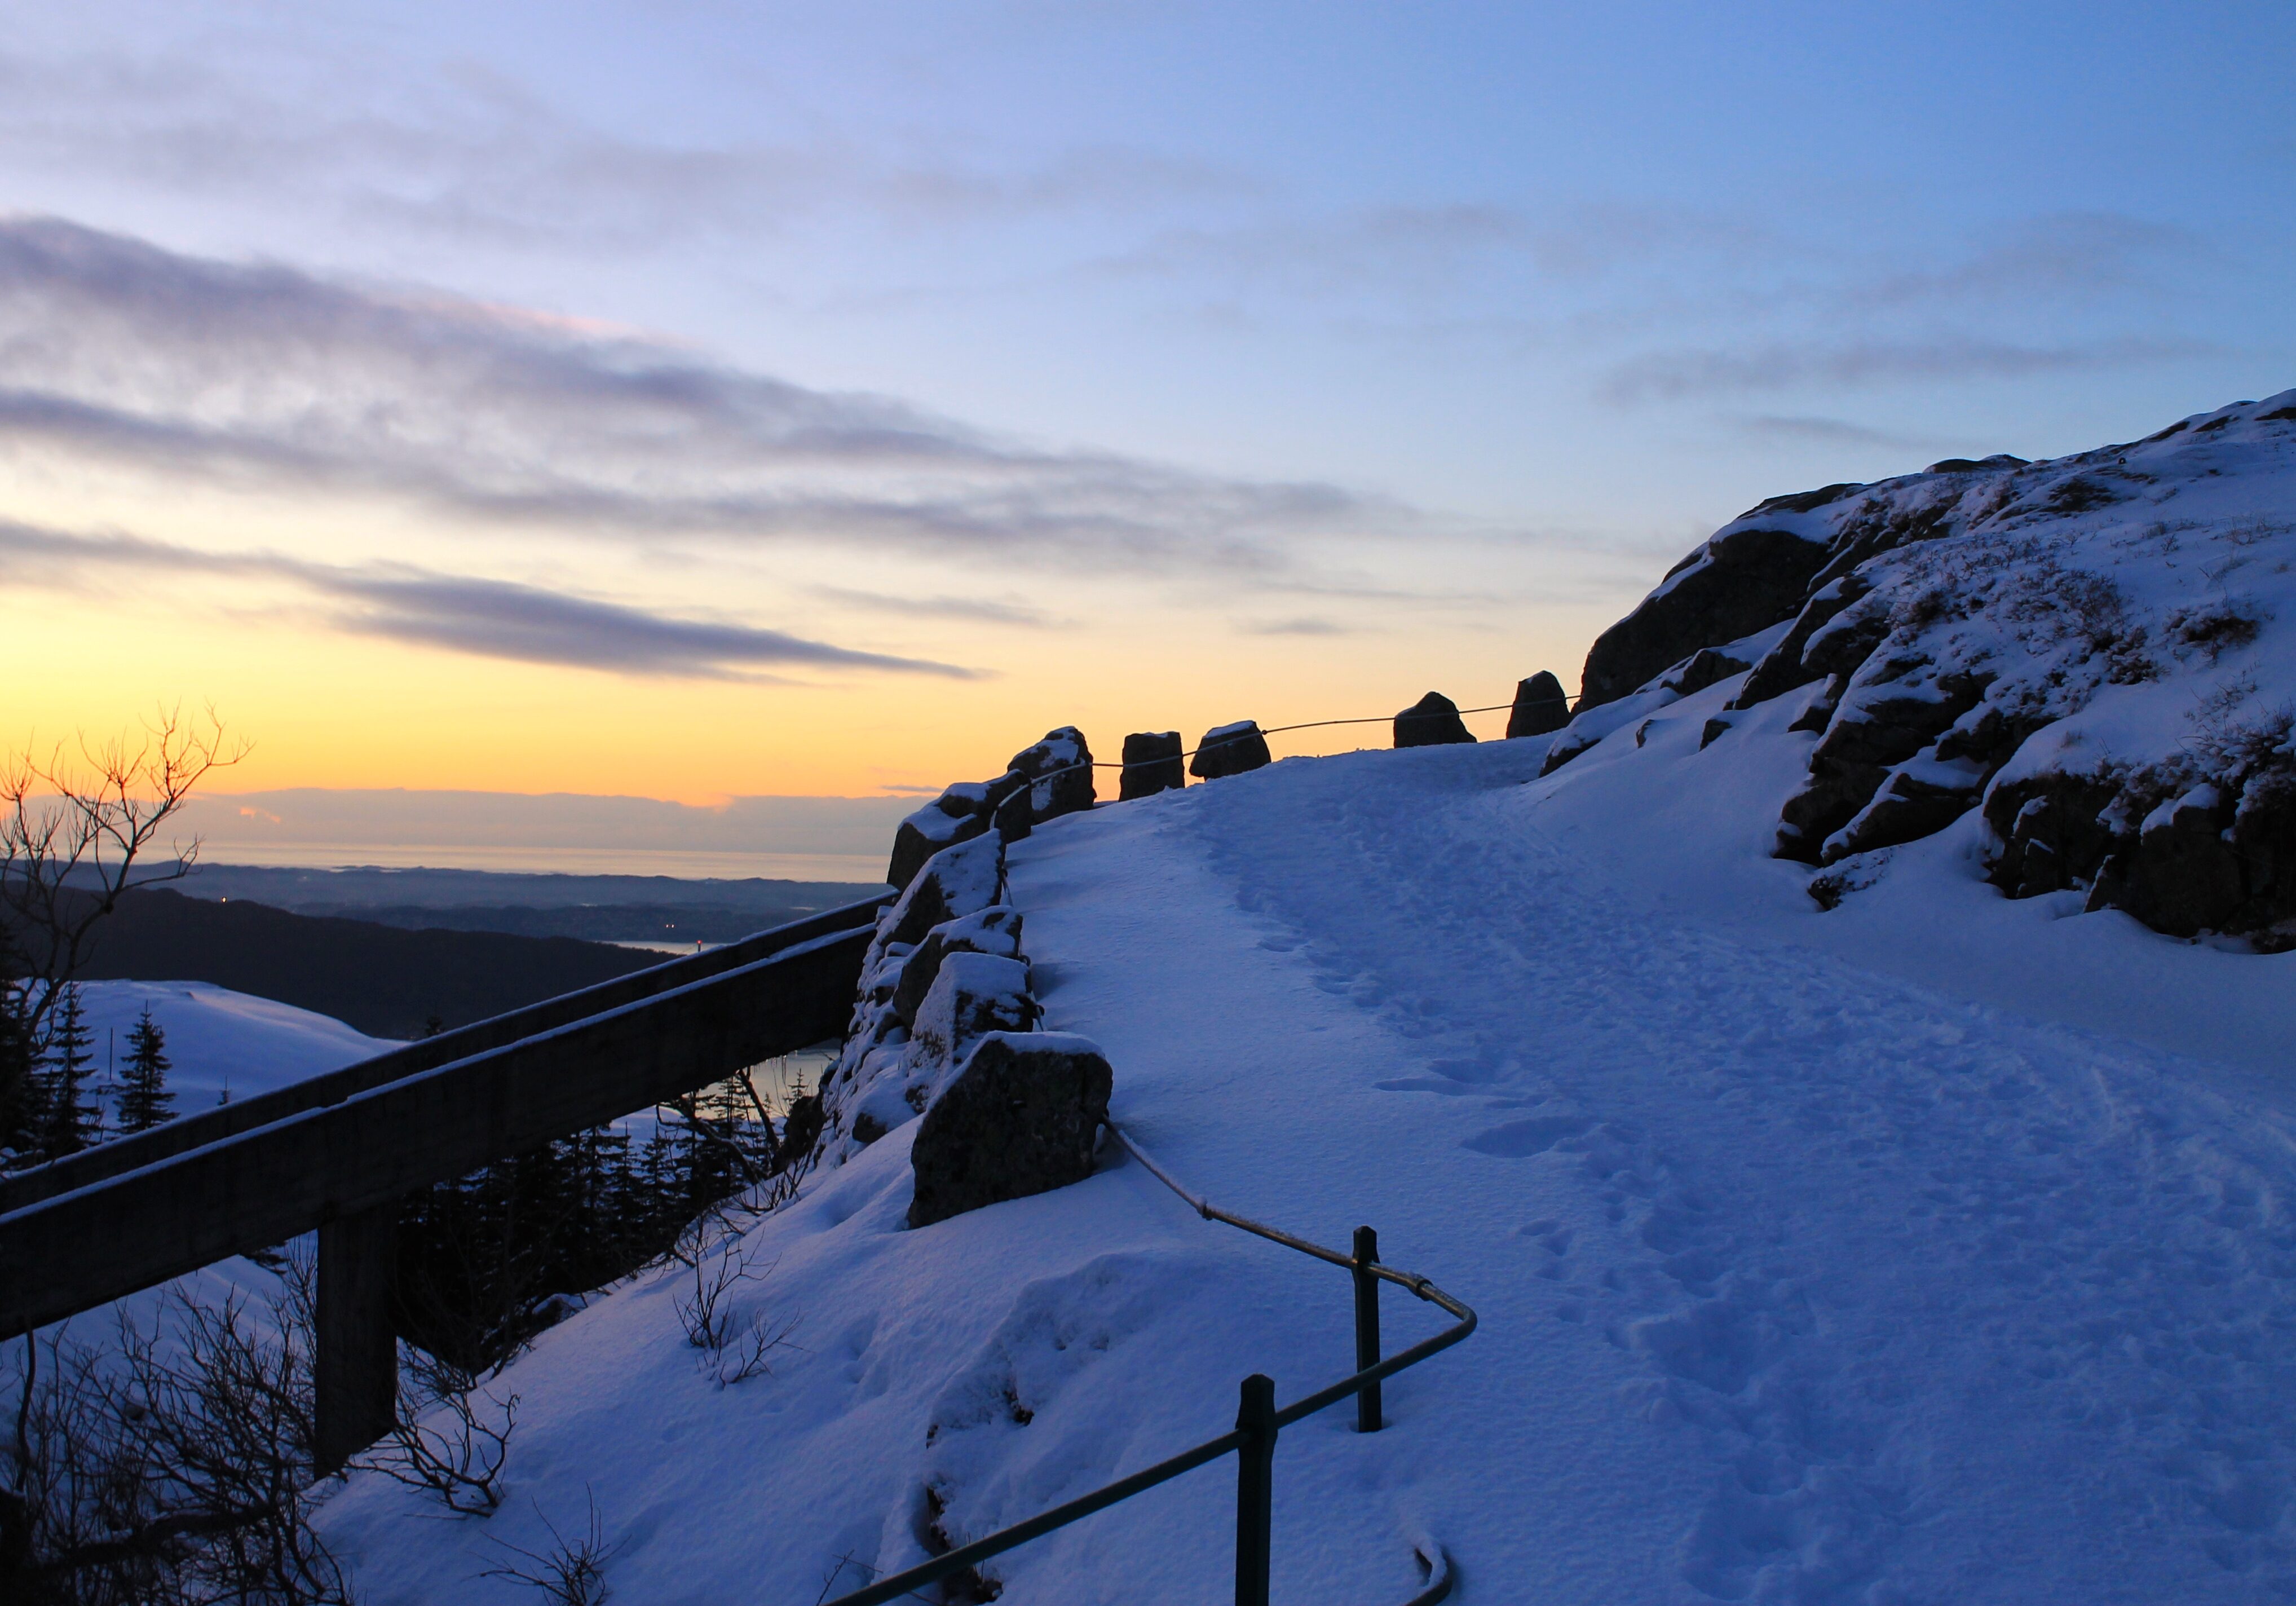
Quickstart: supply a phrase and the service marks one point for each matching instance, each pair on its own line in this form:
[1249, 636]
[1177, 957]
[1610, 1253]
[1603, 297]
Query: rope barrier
[1439, 1575]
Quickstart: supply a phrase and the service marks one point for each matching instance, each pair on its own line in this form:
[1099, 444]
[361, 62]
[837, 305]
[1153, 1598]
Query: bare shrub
[572, 1572]
[452, 1438]
[737, 1337]
[172, 1467]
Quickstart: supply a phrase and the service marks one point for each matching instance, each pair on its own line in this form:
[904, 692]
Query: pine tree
[20, 1101]
[72, 1123]
[144, 1101]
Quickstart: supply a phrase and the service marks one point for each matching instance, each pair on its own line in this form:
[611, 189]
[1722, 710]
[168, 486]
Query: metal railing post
[1367, 1401]
[1255, 1477]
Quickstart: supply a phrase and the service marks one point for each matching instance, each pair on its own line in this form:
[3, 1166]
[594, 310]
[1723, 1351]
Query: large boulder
[1019, 1117]
[1433, 721]
[1539, 706]
[1152, 764]
[1743, 580]
[1229, 750]
[1058, 771]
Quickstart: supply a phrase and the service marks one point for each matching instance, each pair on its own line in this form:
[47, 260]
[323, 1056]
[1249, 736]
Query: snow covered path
[1799, 1284]
[1799, 1281]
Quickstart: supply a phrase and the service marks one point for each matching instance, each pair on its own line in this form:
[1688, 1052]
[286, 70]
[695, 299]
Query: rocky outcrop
[1433, 721]
[1749, 575]
[1152, 764]
[941, 1028]
[1998, 635]
[1539, 706]
[1019, 1117]
[1229, 750]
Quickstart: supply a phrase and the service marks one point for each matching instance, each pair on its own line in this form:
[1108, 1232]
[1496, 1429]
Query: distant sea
[688, 864]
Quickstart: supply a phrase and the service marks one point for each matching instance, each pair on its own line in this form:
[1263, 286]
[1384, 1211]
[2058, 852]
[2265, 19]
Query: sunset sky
[695, 400]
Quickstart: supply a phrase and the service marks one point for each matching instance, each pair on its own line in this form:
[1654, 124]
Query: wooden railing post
[1367, 1401]
[356, 1366]
[1255, 1493]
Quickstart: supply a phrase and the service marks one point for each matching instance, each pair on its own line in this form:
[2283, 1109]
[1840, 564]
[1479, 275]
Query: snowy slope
[1808, 1270]
[218, 1039]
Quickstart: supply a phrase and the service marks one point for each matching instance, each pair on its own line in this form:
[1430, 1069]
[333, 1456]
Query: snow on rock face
[2073, 644]
[1230, 750]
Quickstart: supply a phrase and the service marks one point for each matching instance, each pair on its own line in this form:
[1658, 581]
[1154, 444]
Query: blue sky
[1505, 305]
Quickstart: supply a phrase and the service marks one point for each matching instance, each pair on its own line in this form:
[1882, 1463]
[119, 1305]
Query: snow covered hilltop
[1937, 1247]
[2089, 647]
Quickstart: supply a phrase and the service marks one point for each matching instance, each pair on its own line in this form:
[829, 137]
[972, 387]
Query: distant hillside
[381, 980]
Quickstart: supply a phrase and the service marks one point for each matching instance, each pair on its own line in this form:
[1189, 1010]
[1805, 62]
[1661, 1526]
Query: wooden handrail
[199, 1129]
[362, 1142]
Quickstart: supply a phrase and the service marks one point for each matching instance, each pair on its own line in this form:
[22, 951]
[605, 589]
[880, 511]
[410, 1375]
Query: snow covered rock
[1152, 764]
[2091, 649]
[1433, 721]
[1058, 771]
[994, 930]
[1747, 575]
[1230, 750]
[1018, 1117]
[971, 995]
[1539, 706]
[957, 814]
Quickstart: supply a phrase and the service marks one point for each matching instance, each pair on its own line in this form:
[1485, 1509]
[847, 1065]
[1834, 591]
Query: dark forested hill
[385, 981]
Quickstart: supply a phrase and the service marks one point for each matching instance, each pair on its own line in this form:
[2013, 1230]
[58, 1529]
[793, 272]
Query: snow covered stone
[1152, 764]
[957, 814]
[1018, 1117]
[972, 994]
[957, 881]
[1059, 770]
[1433, 721]
[1539, 706]
[994, 931]
[1229, 750]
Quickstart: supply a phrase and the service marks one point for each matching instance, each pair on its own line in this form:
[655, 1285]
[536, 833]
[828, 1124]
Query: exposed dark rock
[1706, 668]
[1567, 747]
[994, 931]
[1152, 764]
[1015, 817]
[1999, 460]
[1715, 729]
[1738, 583]
[2180, 875]
[1433, 721]
[1781, 669]
[2051, 831]
[1060, 770]
[1020, 1117]
[1864, 741]
[1539, 706]
[1801, 502]
[1229, 750]
[1909, 803]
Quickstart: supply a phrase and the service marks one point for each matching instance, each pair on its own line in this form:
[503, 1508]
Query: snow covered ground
[219, 1040]
[1934, 1248]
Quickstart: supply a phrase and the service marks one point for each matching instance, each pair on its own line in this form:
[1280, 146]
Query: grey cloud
[1673, 375]
[1305, 625]
[467, 155]
[491, 618]
[259, 374]
[987, 611]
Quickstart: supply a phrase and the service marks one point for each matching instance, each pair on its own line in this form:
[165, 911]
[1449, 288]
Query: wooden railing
[336, 1153]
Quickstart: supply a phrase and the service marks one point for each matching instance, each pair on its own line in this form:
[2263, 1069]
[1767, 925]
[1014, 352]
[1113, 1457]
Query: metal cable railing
[1258, 1421]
